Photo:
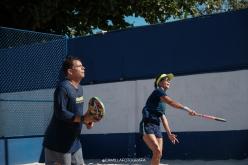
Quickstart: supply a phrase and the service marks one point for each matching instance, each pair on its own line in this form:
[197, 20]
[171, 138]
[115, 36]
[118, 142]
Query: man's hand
[89, 125]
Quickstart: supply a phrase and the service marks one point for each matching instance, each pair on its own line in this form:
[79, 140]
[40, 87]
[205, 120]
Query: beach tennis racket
[210, 117]
[96, 109]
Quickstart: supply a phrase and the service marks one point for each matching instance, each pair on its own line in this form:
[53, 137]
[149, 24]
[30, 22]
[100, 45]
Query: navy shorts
[150, 128]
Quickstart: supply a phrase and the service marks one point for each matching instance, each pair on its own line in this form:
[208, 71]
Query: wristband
[186, 108]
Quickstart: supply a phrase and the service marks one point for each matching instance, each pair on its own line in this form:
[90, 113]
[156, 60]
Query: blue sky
[136, 21]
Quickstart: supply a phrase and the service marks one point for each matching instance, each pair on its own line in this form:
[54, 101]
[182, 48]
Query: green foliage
[81, 17]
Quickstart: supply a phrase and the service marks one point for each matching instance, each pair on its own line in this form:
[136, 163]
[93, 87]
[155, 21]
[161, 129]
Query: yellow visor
[169, 76]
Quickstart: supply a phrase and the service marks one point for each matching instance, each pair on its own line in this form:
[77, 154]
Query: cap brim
[170, 76]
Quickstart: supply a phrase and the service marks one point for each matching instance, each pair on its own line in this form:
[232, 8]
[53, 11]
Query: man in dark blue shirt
[62, 137]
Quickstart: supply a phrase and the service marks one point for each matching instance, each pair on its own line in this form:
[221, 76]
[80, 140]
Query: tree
[81, 17]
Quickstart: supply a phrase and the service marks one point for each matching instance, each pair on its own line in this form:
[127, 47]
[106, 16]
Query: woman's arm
[177, 105]
[171, 136]
[165, 124]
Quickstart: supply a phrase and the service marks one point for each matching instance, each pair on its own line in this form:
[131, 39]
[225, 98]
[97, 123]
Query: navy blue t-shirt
[154, 107]
[63, 135]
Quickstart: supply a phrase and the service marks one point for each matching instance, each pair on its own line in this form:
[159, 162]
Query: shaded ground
[142, 161]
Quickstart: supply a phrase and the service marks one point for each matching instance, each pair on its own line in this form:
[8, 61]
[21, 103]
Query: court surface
[142, 161]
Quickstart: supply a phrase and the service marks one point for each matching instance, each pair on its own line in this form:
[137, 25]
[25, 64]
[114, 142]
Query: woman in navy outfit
[154, 113]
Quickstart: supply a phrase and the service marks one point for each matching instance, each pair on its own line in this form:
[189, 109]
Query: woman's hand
[173, 138]
[190, 111]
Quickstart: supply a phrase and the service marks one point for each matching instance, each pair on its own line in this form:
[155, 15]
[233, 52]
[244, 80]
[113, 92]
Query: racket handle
[220, 119]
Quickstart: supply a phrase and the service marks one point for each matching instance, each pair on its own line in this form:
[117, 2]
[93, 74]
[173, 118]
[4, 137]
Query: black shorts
[150, 128]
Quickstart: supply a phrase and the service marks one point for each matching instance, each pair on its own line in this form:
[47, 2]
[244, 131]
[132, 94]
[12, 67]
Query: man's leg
[77, 158]
[57, 158]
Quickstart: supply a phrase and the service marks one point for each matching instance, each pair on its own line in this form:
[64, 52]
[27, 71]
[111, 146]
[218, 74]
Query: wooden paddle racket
[96, 109]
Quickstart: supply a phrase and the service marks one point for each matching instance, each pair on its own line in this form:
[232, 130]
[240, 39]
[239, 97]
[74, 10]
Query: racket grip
[220, 119]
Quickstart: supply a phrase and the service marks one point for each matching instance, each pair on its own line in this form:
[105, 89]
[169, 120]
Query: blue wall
[205, 44]
[2, 152]
[198, 45]
[20, 150]
[193, 145]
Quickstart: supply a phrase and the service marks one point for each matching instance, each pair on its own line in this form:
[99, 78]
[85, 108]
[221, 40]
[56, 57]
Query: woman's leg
[160, 142]
[154, 144]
